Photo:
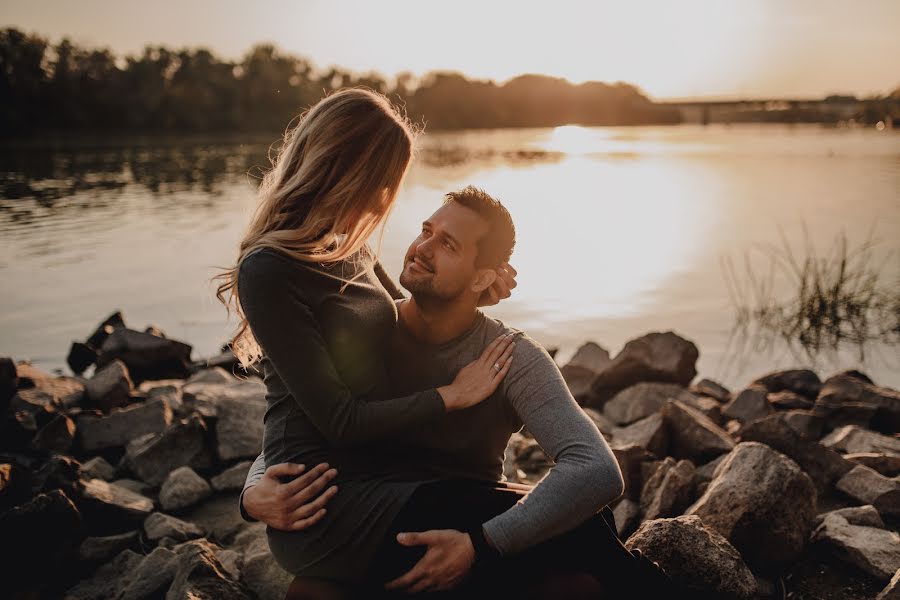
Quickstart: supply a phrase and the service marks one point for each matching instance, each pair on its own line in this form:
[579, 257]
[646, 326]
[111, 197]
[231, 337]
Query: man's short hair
[496, 246]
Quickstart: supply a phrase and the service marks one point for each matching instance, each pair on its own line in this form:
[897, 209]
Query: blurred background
[728, 171]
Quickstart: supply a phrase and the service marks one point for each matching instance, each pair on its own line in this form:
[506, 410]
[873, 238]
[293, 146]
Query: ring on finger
[497, 367]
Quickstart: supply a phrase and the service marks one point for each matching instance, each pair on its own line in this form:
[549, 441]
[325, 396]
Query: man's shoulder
[528, 350]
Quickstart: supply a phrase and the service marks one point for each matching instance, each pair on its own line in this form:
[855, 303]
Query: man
[440, 330]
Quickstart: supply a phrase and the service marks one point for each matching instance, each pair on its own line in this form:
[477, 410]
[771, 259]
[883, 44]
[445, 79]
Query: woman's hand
[292, 506]
[502, 287]
[478, 380]
[447, 561]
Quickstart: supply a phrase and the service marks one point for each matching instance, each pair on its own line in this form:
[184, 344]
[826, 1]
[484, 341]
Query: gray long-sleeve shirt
[471, 443]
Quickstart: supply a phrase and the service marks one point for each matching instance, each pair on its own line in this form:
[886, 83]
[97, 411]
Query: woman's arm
[284, 326]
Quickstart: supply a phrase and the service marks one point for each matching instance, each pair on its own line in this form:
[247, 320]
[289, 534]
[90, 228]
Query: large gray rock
[692, 434]
[807, 423]
[111, 508]
[787, 400]
[886, 464]
[239, 408]
[152, 576]
[215, 375]
[712, 389]
[201, 576]
[800, 381]
[158, 526]
[642, 400]
[605, 426]
[98, 468]
[56, 436]
[39, 387]
[867, 516]
[874, 550]
[590, 356]
[849, 388]
[148, 356]
[260, 572]
[853, 439]
[664, 357]
[102, 549]
[109, 581]
[152, 457]
[579, 380]
[650, 433]
[871, 487]
[668, 491]
[121, 426]
[110, 386]
[218, 516]
[695, 556]
[762, 502]
[627, 514]
[749, 405]
[232, 478]
[630, 459]
[183, 488]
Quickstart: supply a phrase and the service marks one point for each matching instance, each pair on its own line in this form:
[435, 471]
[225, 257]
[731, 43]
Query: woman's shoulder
[267, 262]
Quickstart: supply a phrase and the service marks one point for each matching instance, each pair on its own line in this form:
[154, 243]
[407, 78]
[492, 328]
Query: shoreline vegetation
[125, 476]
[63, 89]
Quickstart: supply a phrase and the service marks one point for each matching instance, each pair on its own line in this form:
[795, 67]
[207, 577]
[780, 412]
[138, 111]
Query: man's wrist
[485, 552]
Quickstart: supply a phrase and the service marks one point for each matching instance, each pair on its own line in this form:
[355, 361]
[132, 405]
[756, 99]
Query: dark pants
[592, 550]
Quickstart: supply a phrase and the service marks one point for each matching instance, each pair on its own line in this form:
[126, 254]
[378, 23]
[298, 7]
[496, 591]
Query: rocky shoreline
[124, 484]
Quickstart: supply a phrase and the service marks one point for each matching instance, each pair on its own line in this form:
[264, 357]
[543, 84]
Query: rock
[762, 502]
[668, 492]
[788, 400]
[110, 386]
[110, 508]
[626, 514]
[9, 381]
[168, 390]
[805, 422]
[15, 485]
[650, 433]
[147, 356]
[705, 473]
[98, 468]
[867, 516]
[876, 551]
[663, 357]
[886, 464]
[152, 457]
[630, 459]
[239, 427]
[61, 391]
[56, 436]
[109, 581]
[749, 405]
[215, 375]
[892, 591]
[152, 576]
[590, 356]
[104, 329]
[800, 381]
[870, 487]
[232, 478]
[121, 426]
[80, 357]
[853, 439]
[605, 426]
[823, 465]
[642, 400]
[183, 488]
[102, 549]
[695, 556]
[844, 388]
[201, 576]
[224, 360]
[260, 572]
[713, 389]
[578, 380]
[219, 516]
[232, 561]
[692, 434]
[138, 487]
[158, 526]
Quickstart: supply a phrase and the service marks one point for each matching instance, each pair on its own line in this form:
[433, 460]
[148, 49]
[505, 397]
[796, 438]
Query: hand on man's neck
[437, 324]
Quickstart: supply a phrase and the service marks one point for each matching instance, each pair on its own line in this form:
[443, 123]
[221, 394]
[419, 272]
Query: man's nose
[425, 247]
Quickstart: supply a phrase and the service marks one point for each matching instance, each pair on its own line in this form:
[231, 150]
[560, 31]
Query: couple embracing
[387, 417]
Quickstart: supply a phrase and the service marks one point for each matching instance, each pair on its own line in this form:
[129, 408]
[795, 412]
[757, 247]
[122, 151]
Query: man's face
[440, 263]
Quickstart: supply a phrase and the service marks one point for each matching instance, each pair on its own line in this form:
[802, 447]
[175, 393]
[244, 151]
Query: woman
[315, 314]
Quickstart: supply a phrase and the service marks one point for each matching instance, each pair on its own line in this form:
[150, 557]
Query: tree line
[64, 88]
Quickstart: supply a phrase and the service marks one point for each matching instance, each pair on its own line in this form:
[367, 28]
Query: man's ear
[484, 278]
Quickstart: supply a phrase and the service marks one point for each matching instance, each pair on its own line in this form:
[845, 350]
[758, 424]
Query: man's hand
[502, 287]
[292, 506]
[446, 563]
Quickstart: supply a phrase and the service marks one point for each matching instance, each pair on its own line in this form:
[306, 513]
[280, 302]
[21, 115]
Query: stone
[240, 410]
[763, 503]
[823, 465]
[668, 491]
[664, 357]
[15, 485]
[153, 456]
[892, 590]
[98, 468]
[800, 381]
[102, 549]
[590, 356]
[626, 514]
[110, 387]
[138, 487]
[147, 356]
[853, 439]
[108, 582]
[105, 328]
[642, 400]
[578, 380]
[152, 576]
[80, 357]
[232, 478]
[122, 425]
[650, 433]
[886, 464]
[788, 400]
[630, 459]
[62, 391]
[871, 487]
[845, 388]
[605, 426]
[874, 550]
[695, 556]
[713, 389]
[807, 423]
[183, 488]
[218, 516]
[749, 405]
[867, 516]
[158, 526]
[58, 471]
[705, 473]
[56, 436]
[110, 508]
[260, 573]
[9, 381]
[693, 435]
[201, 576]
[215, 375]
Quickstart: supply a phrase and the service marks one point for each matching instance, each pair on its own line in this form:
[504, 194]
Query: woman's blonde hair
[332, 182]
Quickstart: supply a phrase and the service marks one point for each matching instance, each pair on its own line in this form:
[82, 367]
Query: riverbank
[126, 480]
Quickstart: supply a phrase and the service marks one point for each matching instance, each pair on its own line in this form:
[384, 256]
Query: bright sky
[670, 48]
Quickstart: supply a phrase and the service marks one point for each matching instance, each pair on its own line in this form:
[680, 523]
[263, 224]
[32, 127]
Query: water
[621, 231]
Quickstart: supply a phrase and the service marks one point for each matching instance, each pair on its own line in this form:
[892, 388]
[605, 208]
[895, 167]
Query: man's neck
[437, 324]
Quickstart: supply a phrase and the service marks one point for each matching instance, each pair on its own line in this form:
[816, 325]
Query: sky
[672, 49]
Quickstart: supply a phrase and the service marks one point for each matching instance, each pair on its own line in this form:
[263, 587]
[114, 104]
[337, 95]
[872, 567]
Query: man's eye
[448, 245]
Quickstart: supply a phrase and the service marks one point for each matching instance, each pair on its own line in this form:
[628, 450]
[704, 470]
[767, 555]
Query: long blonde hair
[332, 182]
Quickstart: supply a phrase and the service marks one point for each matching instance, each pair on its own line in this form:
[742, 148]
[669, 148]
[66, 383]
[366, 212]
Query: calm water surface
[621, 231]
